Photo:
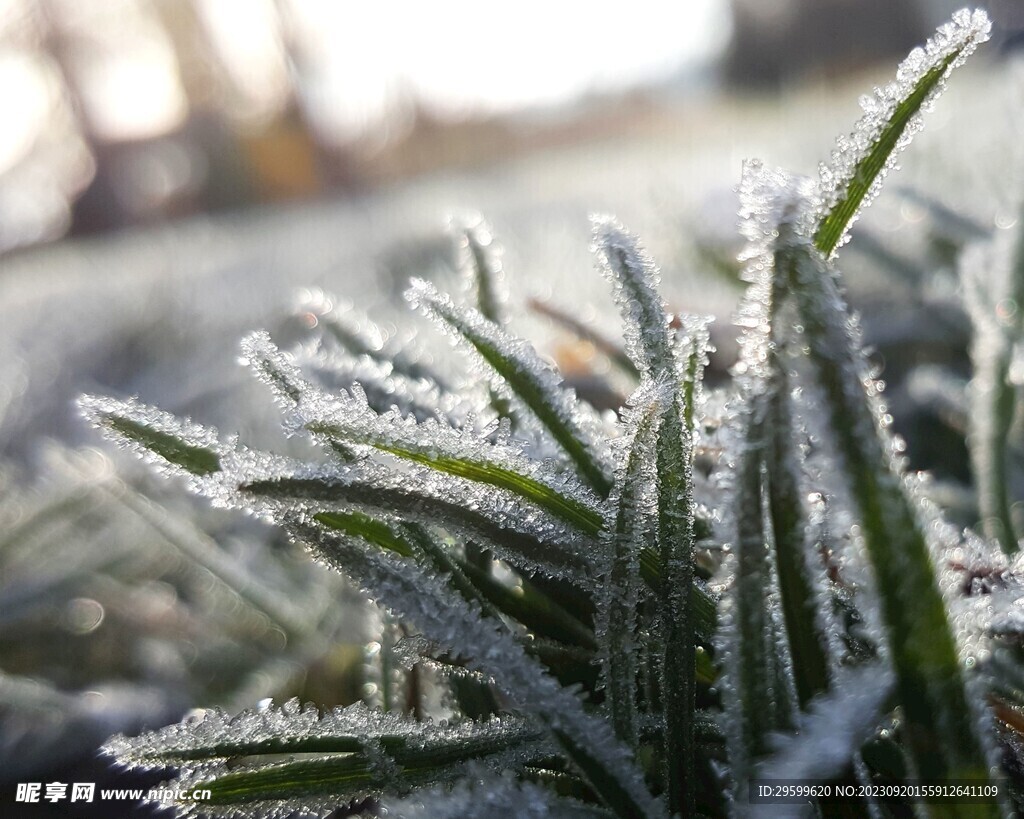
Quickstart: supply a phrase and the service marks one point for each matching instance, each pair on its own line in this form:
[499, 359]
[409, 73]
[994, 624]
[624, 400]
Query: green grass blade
[533, 608]
[558, 636]
[651, 345]
[619, 799]
[481, 267]
[634, 504]
[273, 368]
[525, 604]
[994, 403]
[425, 445]
[635, 279]
[802, 620]
[570, 659]
[939, 718]
[358, 752]
[174, 450]
[529, 606]
[148, 431]
[892, 117]
[865, 173]
[752, 706]
[531, 380]
[391, 499]
[703, 602]
[291, 729]
[767, 345]
[368, 528]
[676, 542]
[324, 782]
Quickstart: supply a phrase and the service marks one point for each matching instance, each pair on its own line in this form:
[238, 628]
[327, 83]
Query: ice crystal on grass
[297, 729]
[425, 600]
[180, 446]
[347, 418]
[418, 495]
[522, 376]
[837, 725]
[634, 501]
[747, 631]
[892, 117]
[385, 387]
[274, 368]
[635, 279]
[630, 616]
[770, 200]
[484, 794]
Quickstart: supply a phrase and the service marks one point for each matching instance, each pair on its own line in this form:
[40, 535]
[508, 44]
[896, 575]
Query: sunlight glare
[458, 57]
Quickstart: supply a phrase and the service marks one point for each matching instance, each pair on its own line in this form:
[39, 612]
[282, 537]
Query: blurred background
[175, 173]
[125, 112]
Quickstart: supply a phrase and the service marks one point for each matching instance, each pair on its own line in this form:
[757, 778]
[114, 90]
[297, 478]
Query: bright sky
[467, 55]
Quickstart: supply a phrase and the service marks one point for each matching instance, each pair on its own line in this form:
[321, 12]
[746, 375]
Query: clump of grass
[552, 565]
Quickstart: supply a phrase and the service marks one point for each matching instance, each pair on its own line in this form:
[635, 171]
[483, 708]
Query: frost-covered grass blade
[349, 420]
[424, 600]
[273, 789]
[180, 444]
[941, 727]
[293, 729]
[892, 116]
[530, 380]
[752, 707]
[455, 452]
[804, 608]
[546, 550]
[677, 363]
[635, 280]
[634, 503]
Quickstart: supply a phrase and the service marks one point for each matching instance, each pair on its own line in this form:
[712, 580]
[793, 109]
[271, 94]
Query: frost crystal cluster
[641, 614]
